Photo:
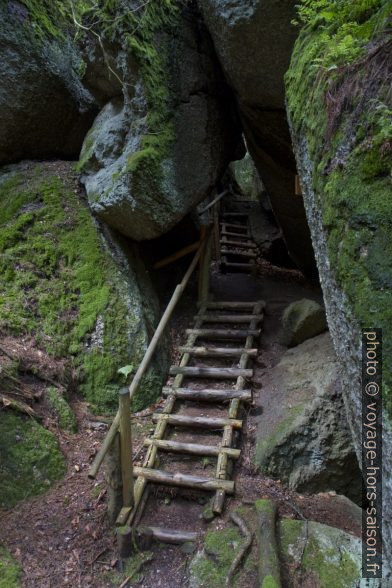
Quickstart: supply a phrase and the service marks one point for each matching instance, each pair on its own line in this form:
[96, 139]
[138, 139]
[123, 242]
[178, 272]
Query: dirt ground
[63, 539]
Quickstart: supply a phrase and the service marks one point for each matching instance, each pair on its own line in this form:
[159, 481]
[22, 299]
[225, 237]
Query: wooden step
[224, 333]
[192, 448]
[231, 234]
[182, 420]
[207, 394]
[224, 304]
[235, 226]
[172, 536]
[239, 214]
[217, 351]
[217, 373]
[229, 318]
[183, 480]
[247, 254]
[244, 244]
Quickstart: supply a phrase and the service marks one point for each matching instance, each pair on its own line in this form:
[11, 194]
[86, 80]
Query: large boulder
[45, 111]
[339, 109]
[67, 285]
[157, 151]
[303, 437]
[254, 40]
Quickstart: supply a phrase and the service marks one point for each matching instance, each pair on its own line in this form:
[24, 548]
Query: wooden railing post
[205, 262]
[126, 447]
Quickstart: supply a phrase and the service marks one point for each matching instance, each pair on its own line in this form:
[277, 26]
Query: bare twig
[240, 555]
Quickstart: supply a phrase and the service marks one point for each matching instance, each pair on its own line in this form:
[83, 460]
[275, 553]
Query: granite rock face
[341, 135]
[303, 437]
[45, 111]
[254, 40]
[144, 176]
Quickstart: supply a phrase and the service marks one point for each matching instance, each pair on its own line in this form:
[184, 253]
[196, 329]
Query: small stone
[302, 320]
[188, 547]
[208, 514]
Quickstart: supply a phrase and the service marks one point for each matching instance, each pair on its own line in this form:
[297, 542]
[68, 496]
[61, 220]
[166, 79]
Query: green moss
[341, 110]
[269, 582]
[264, 505]
[332, 568]
[30, 459]
[10, 570]
[220, 548]
[63, 411]
[59, 282]
[132, 568]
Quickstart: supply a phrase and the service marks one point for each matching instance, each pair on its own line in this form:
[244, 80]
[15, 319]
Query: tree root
[239, 557]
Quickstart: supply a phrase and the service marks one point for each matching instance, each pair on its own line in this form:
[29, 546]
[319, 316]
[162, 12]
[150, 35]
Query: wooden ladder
[238, 252]
[238, 322]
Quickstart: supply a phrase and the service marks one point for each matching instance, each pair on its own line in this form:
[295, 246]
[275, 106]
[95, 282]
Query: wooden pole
[126, 447]
[108, 440]
[113, 480]
[269, 565]
[177, 255]
[204, 276]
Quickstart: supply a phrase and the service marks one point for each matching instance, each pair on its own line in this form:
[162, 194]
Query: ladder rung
[220, 373]
[192, 448]
[227, 214]
[202, 422]
[224, 333]
[244, 244]
[233, 305]
[238, 265]
[235, 226]
[231, 234]
[184, 480]
[217, 351]
[247, 254]
[207, 394]
[229, 318]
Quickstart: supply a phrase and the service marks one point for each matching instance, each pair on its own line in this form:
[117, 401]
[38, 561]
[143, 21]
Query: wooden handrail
[215, 201]
[110, 435]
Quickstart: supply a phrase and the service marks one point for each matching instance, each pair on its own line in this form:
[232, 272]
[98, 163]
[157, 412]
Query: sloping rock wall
[338, 108]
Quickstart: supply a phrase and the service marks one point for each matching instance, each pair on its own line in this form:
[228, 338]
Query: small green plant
[125, 371]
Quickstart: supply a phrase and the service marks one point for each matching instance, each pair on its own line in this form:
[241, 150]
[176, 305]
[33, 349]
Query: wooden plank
[235, 226]
[126, 447]
[247, 254]
[172, 536]
[217, 351]
[223, 333]
[221, 373]
[184, 480]
[231, 214]
[224, 304]
[230, 318]
[231, 234]
[202, 422]
[192, 448]
[232, 264]
[244, 244]
[208, 394]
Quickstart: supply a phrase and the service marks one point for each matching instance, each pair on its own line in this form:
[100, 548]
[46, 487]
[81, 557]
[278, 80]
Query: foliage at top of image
[350, 25]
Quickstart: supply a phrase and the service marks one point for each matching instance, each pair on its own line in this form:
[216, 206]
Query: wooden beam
[232, 234]
[126, 447]
[229, 264]
[224, 304]
[191, 448]
[199, 422]
[244, 244]
[172, 536]
[184, 480]
[221, 373]
[177, 255]
[231, 318]
[247, 254]
[217, 351]
[223, 333]
[208, 395]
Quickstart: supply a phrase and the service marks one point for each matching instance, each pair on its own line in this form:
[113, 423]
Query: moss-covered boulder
[339, 105]
[42, 97]
[302, 320]
[70, 286]
[30, 459]
[320, 556]
[254, 41]
[159, 149]
[303, 437]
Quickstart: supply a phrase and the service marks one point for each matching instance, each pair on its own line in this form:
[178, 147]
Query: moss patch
[30, 459]
[10, 570]
[61, 286]
[64, 414]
